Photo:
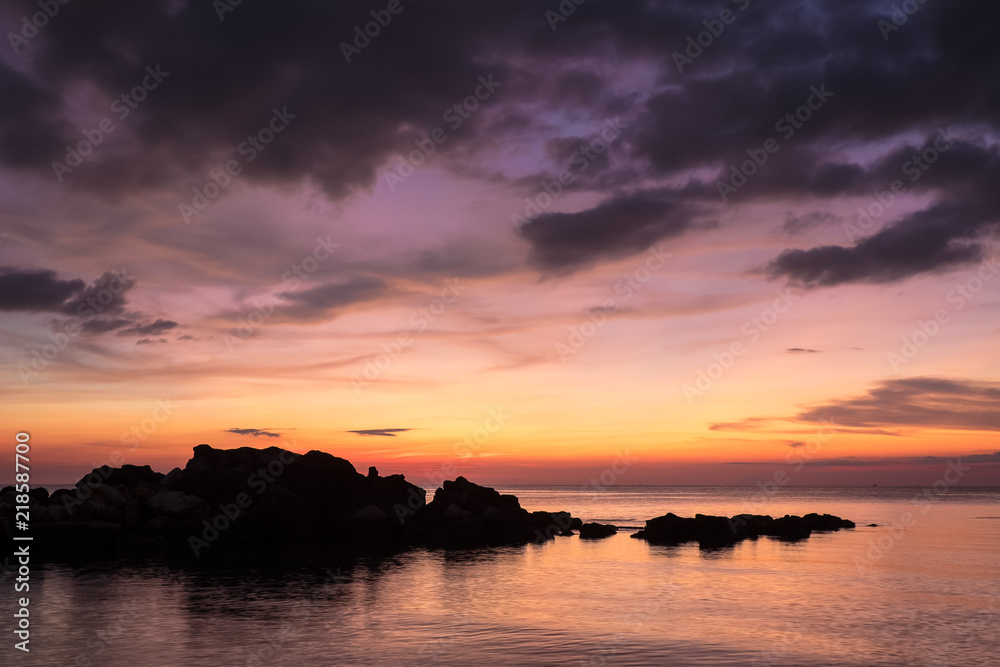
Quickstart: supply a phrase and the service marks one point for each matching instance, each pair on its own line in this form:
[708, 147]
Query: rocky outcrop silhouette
[466, 514]
[245, 497]
[720, 531]
[250, 496]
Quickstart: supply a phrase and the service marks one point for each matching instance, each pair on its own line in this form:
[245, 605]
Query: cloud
[888, 461]
[150, 341]
[388, 432]
[97, 304]
[925, 402]
[802, 350]
[895, 407]
[35, 290]
[106, 296]
[685, 129]
[255, 432]
[941, 238]
[99, 326]
[799, 224]
[156, 328]
[566, 241]
[325, 299]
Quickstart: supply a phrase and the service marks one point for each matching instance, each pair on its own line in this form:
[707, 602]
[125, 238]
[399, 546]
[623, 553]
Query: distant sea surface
[923, 593]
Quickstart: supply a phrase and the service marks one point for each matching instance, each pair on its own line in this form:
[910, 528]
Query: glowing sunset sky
[216, 229]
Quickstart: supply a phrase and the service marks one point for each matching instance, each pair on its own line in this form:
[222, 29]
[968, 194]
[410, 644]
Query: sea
[921, 587]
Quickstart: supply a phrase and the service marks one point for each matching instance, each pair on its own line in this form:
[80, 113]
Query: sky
[583, 243]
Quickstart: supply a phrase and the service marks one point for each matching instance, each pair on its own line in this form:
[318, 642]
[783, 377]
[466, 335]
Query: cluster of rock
[719, 531]
[273, 496]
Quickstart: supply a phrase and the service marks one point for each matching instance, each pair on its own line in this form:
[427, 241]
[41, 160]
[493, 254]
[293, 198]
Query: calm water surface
[926, 595]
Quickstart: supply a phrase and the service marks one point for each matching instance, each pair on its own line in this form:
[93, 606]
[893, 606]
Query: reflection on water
[925, 598]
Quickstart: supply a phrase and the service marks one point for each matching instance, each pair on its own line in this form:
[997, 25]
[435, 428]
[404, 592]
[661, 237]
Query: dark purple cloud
[925, 402]
[35, 290]
[255, 432]
[887, 99]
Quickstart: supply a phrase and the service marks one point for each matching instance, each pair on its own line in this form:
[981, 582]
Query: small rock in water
[596, 531]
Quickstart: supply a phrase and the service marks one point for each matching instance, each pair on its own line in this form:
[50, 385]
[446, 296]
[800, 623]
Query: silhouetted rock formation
[719, 531]
[273, 496]
[466, 514]
[595, 531]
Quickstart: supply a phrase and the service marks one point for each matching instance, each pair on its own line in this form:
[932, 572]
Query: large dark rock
[465, 514]
[128, 476]
[289, 495]
[243, 495]
[717, 531]
[790, 528]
